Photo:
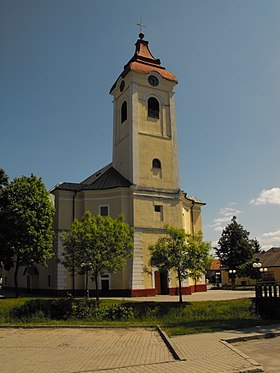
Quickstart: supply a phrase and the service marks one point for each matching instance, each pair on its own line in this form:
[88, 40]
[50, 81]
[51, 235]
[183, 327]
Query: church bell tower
[144, 124]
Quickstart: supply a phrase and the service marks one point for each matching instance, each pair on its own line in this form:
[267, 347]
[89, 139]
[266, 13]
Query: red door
[157, 283]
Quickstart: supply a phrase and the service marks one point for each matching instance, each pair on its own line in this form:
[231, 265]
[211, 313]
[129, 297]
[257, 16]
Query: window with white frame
[105, 282]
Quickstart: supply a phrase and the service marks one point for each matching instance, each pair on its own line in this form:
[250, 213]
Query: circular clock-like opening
[153, 80]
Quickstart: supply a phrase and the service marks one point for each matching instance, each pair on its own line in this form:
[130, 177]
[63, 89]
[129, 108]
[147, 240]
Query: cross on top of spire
[141, 25]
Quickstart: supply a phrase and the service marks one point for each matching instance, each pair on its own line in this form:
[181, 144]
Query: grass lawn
[175, 318]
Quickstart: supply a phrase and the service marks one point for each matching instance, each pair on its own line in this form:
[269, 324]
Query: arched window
[156, 163]
[153, 108]
[124, 112]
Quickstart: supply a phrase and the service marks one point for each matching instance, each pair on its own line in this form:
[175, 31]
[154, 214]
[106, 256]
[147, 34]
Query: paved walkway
[196, 297]
[265, 351]
[129, 350]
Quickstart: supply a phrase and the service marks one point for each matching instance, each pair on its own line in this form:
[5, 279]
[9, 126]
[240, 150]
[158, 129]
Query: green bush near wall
[65, 309]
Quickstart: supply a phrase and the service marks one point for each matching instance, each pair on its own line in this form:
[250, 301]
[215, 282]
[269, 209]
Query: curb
[166, 340]
[77, 327]
[252, 337]
[256, 368]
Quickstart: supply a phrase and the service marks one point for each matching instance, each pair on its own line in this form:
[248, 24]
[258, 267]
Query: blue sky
[59, 58]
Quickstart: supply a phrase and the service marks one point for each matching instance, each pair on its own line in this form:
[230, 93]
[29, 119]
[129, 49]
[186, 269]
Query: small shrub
[118, 312]
[55, 309]
[81, 308]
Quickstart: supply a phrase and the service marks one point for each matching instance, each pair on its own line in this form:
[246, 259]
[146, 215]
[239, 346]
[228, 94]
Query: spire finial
[141, 25]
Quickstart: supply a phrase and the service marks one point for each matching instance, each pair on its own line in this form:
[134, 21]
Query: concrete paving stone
[266, 351]
[176, 366]
[79, 349]
[207, 352]
[128, 350]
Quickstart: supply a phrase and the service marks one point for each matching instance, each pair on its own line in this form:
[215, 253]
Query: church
[142, 183]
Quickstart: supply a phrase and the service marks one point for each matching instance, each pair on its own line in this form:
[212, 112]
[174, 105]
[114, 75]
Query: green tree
[256, 246]
[179, 252]
[70, 259]
[27, 218]
[6, 252]
[4, 180]
[100, 243]
[247, 270]
[199, 254]
[236, 248]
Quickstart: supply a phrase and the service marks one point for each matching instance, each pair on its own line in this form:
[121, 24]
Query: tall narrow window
[153, 108]
[124, 112]
[158, 212]
[156, 163]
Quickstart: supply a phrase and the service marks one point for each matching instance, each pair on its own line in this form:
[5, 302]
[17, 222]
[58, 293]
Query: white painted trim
[134, 141]
[102, 198]
[109, 278]
[92, 198]
[104, 205]
[137, 265]
[149, 94]
[153, 278]
[114, 126]
[174, 139]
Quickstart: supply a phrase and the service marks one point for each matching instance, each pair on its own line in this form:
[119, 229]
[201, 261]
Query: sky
[59, 59]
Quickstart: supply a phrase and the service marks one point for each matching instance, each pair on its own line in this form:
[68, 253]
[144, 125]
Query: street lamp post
[232, 275]
[217, 278]
[86, 267]
[262, 270]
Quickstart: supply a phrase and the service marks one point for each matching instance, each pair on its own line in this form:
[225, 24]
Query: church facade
[142, 183]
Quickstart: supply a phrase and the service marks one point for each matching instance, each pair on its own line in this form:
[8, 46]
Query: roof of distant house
[270, 258]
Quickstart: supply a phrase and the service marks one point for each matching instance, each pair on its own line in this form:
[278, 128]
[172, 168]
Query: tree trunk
[180, 286]
[73, 281]
[87, 291]
[16, 278]
[96, 286]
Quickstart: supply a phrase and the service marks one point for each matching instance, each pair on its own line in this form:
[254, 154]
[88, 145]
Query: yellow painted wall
[146, 216]
[118, 199]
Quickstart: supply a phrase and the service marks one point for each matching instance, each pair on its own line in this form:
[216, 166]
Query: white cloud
[269, 239]
[267, 196]
[272, 234]
[225, 216]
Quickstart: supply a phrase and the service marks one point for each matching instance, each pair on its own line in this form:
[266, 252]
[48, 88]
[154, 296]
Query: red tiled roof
[215, 265]
[144, 62]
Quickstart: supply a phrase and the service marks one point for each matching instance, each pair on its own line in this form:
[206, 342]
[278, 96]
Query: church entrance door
[105, 284]
[161, 283]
